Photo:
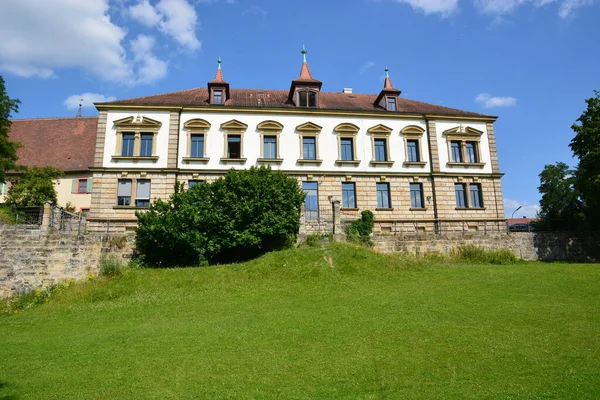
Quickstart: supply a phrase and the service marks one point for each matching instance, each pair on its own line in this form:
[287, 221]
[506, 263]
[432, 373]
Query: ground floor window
[311, 201]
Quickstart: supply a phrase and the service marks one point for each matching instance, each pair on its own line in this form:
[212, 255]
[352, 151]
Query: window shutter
[89, 185]
[124, 188]
[143, 189]
[74, 183]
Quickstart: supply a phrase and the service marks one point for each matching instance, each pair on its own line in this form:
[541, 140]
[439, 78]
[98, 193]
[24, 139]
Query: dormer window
[391, 103]
[307, 98]
[217, 97]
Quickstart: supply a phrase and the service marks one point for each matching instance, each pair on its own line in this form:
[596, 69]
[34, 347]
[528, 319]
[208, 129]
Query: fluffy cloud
[86, 100]
[443, 7]
[174, 18]
[499, 8]
[40, 37]
[490, 101]
[149, 67]
[527, 210]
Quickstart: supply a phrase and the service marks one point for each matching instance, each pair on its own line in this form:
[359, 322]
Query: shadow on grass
[4, 385]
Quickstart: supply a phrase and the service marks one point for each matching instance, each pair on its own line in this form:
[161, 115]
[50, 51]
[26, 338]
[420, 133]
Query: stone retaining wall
[543, 246]
[33, 258]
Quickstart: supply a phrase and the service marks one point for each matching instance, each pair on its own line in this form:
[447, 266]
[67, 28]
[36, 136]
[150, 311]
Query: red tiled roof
[249, 98]
[65, 143]
[218, 77]
[525, 220]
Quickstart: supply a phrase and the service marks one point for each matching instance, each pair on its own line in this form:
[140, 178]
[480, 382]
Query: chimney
[347, 90]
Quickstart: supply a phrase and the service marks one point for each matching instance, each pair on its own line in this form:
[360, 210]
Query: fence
[30, 217]
[65, 221]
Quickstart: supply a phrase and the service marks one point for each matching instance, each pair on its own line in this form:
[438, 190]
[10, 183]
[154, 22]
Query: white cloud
[443, 7]
[144, 13]
[174, 18]
[40, 37]
[149, 67]
[499, 8]
[527, 210]
[86, 100]
[490, 101]
[366, 66]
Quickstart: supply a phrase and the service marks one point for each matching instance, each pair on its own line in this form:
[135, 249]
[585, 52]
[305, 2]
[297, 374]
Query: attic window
[391, 104]
[307, 98]
[217, 97]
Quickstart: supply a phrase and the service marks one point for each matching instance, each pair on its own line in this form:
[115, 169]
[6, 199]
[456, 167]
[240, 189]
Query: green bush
[239, 216]
[34, 187]
[359, 231]
[111, 267]
[476, 254]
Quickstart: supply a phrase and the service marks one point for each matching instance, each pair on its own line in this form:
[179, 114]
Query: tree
[560, 206]
[34, 187]
[238, 216]
[586, 146]
[8, 148]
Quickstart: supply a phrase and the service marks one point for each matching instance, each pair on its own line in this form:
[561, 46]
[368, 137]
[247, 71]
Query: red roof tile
[65, 143]
[249, 98]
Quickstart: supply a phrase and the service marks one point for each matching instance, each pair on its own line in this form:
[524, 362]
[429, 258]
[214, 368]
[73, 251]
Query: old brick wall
[543, 246]
[33, 258]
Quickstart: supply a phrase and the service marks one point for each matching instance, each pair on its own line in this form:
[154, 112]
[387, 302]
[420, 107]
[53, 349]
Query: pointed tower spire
[387, 97]
[218, 89]
[79, 109]
[304, 89]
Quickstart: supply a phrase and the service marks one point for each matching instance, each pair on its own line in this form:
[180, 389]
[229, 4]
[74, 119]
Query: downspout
[435, 207]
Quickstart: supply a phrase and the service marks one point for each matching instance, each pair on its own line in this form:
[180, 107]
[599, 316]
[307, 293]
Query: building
[64, 143]
[417, 166]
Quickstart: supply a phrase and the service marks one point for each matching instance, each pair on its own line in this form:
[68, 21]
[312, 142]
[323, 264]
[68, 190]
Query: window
[217, 97]
[347, 149]
[380, 149]
[270, 147]
[391, 104]
[124, 192]
[82, 185]
[309, 148]
[416, 195]
[383, 195]
[471, 148]
[412, 147]
[194, 182]
[146, 144]
[307, 98]
[476, 198]
[142, 198]
[348, 195]
[456, 151]
[85, 212]
[461, 195]
[127, 146]
[234, 146]
[311, 201]
[197, 146]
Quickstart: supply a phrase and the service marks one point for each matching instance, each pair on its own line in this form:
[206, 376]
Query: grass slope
[337, 322]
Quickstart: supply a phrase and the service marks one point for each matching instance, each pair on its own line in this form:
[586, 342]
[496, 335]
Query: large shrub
[361, 229]
[236, 217]
[35, 187]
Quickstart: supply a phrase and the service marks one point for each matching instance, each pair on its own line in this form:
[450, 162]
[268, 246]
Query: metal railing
[66, 221]
[31, 217]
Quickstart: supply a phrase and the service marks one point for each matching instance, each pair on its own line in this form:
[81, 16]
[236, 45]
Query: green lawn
[292, 326]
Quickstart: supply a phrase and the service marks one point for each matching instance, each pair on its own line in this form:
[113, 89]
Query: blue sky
[530, 62]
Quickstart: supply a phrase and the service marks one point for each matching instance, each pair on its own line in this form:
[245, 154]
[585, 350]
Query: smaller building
[64, 143]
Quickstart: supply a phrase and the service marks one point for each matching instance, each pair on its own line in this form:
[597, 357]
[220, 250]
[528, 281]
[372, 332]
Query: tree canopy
[238, 216]
[571, 197]
[8, 148]
[35, 187]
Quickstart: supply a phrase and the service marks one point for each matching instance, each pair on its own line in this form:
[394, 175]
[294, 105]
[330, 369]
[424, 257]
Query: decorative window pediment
[197, 125]
[234, 124]
[463, 132]
[412, 130]
[309, 127]
[347, 128]
[270, 126]
[137, 123]
[380, 130]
